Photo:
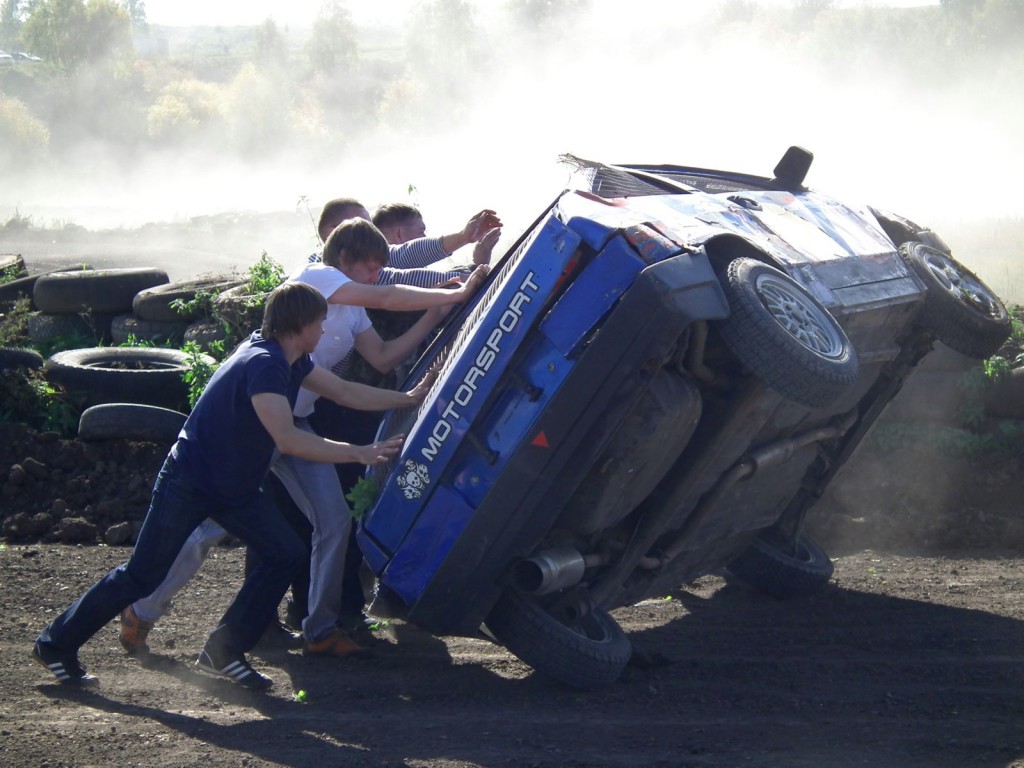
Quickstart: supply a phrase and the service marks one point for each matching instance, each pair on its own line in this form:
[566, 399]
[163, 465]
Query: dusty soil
[903, 661]
[908, 659]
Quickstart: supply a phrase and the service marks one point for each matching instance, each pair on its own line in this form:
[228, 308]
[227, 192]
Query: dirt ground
[903, 661]
[911, 658]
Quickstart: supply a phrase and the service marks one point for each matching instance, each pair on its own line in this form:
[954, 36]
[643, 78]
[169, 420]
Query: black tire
[959, 309]
[24, 286]
[12, 358]
[108, 291]
[206, 332]
[43, 328]
[785, 336]
[798, 570]
[242, 311]
[589, 656]
[12, 265]
[154, 304]
[130, 421]
[127, 325]
[122, 375]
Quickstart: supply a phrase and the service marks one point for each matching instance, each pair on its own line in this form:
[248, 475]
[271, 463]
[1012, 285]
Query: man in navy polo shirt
[215, 470]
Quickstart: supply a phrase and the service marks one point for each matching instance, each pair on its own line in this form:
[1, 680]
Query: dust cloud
[641, 84]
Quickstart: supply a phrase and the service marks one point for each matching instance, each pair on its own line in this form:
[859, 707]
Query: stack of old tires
[127, 392]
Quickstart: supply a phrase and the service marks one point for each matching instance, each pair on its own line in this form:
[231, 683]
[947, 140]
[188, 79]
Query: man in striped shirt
[409, 261]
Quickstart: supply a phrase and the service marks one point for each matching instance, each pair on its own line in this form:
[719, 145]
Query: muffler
[549, 571]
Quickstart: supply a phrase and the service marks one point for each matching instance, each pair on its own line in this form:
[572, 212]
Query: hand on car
[380, 452]
[473, 283]
[482, 250]
[417, 393]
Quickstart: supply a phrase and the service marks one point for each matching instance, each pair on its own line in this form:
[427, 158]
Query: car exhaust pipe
[551, 570]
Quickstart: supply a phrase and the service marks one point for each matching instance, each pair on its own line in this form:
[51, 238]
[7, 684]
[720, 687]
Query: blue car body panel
[489, 399]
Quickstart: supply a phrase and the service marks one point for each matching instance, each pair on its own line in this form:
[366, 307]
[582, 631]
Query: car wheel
[959, 309]
[130, 421]
[145, 375]
[784, 335]
[589, 655]
[799, 569]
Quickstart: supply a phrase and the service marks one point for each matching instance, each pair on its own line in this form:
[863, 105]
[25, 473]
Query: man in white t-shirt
[354, 254]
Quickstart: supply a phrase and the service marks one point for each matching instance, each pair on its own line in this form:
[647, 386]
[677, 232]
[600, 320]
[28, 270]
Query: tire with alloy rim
[145, 375]
[99, 290]
[784, 335]
[798, 569]
[130, 421]
[959, 309]
[589, 655]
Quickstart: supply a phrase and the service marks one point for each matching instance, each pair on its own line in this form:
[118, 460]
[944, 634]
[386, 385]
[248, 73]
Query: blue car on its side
[658, 381]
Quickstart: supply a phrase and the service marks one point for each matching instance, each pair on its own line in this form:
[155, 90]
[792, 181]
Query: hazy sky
[301, 12]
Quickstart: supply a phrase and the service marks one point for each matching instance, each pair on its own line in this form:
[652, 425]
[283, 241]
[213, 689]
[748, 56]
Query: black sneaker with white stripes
[64, 666]
[234, 667]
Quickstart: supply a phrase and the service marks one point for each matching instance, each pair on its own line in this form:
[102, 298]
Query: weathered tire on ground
[799, 570]
[154, 303]
[12, 265]
[143, 375]
[959, 309]
[241, 310]
[14, 358]
[99, 290]
[130, 421]
[784, 335]
[124, 326]
[205, 332]
[588, 657]
[43, 328]
[23, 287]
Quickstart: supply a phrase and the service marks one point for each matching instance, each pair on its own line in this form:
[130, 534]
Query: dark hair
[335, 212]
[395, 215]
[355, 241]
[290, 308]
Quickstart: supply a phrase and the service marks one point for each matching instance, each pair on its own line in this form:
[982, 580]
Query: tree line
[264, 88]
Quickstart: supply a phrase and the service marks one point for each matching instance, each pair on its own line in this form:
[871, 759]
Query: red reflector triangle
[541, 440]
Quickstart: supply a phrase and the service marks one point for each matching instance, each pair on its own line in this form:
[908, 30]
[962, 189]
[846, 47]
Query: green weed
[28, 398]
[264, 276]
[198, 373]
[199, 306]
[14, 323]
[11, 273]
[362, 497]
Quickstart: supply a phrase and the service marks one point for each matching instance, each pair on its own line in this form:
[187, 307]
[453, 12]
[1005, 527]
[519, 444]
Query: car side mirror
[792, 168]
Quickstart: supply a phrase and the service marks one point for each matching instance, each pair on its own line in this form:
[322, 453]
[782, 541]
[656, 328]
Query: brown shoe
[337, 644]
[134, 632]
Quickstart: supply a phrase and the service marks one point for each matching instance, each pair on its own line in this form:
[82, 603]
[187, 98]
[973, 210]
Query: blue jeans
[176, 509]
